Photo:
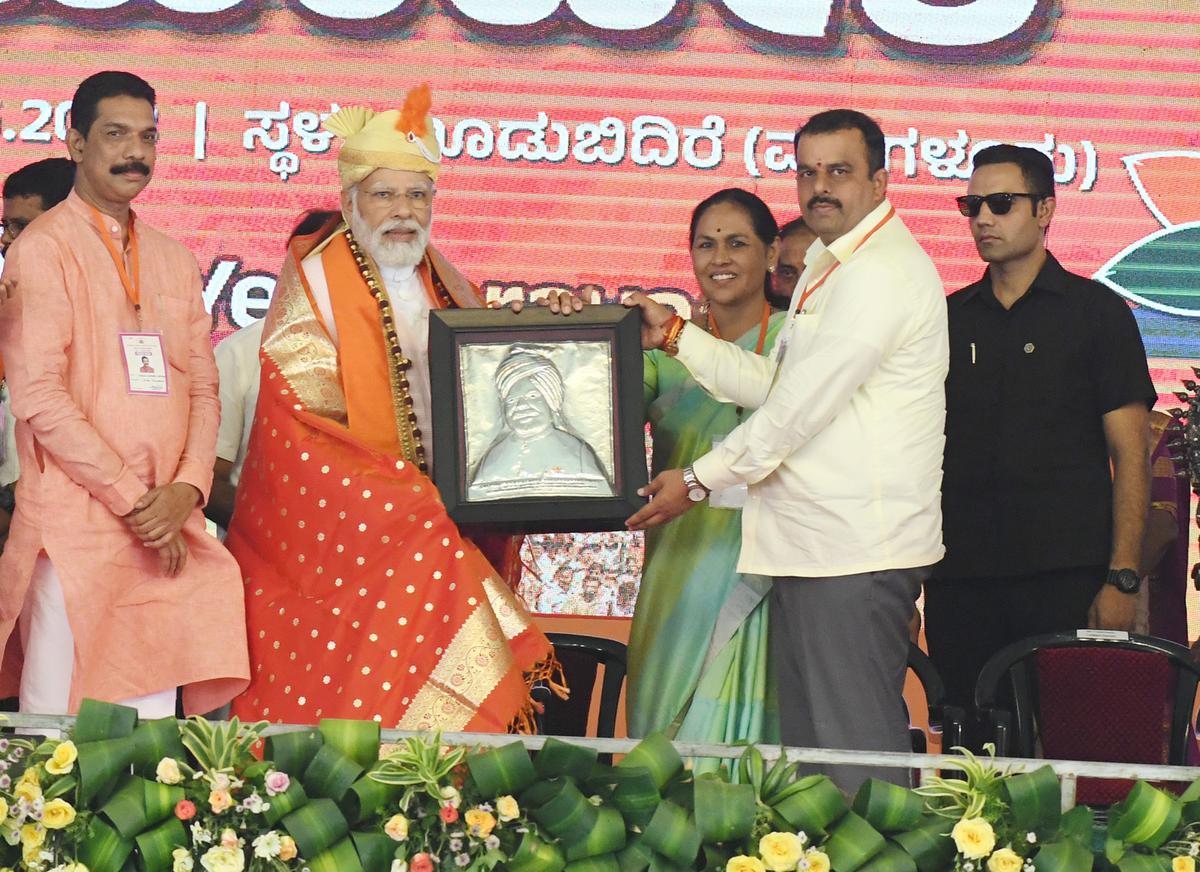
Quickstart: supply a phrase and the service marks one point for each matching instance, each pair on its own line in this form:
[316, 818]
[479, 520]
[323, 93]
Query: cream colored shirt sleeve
[729, 373]
[817, 377]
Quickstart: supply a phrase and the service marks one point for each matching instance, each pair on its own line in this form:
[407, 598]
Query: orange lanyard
[811, 289]
[130, 282]
[762, 330]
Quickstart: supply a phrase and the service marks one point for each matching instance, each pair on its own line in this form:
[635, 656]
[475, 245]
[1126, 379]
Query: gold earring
[770, 269]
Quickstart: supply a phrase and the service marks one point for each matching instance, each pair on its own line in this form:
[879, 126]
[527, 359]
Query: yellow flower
[181, 860]
[32, 836]
[287, 848]
[3, 812]
[219, 801]
[167, 771]
[1005, 860]
[63, 759]
[396, 828]
[27, 787]
[222, 858]
[742, 863]
[974, 838]
[507, 808]
[1183, 864]
[57, 814]
[818, 861]
[480, 823]
[780, 852]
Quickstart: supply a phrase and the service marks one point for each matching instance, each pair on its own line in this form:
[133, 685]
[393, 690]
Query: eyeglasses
[998, 204]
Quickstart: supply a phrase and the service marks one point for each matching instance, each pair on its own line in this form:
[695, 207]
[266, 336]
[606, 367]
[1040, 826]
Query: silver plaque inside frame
[538, 419]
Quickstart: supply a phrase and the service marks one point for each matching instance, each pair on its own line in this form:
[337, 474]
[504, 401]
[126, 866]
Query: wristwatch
[697, 492]
[1124, 580]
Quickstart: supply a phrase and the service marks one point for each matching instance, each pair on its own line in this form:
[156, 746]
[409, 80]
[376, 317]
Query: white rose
[182, 860]
[167, 771]
[267, 845]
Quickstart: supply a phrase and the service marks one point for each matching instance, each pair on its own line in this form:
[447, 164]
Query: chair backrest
[1091, 695]
[581, 658]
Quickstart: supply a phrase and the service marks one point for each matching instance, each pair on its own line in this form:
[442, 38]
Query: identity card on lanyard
[145, 363]
[142, 353]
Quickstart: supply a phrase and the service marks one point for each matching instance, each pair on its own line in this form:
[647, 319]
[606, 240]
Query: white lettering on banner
[975, 23]
[921, 24]
[809, 20]
[943, 158]
[274, 135]
[243, 303]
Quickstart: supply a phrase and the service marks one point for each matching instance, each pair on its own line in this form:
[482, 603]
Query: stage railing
[1068, 771]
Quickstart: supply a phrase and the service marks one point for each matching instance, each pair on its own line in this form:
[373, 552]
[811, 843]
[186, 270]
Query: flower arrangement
[38, 822]
[1009, 823]
[197, 797]
[227, 801]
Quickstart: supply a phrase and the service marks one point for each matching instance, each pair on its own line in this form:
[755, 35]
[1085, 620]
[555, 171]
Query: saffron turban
[398, 139]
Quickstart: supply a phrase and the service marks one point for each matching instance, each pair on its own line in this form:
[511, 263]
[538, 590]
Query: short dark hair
[833, 120]
[51, 179]
[1036, 167]
[312, 221]
[111, 83]
[796, 225]
[761, 220]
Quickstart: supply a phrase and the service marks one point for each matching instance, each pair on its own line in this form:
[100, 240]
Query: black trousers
[967, 620]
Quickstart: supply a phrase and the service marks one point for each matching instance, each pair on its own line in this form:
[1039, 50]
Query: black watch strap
[1125, 580]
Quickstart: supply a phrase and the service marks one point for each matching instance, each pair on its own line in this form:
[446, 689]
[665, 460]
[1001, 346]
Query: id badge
[732, 497]
[145, 363]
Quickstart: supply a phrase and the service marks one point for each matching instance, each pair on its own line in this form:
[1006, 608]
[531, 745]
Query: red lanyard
[762, 330]
[130, 282]
[811, 289]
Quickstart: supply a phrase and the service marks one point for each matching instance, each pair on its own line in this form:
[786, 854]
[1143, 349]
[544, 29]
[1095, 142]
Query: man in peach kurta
[117, 591]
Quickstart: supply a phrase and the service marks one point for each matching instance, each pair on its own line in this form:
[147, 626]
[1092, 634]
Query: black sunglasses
[998, 204]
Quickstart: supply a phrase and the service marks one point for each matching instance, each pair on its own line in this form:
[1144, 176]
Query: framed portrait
[538, 419]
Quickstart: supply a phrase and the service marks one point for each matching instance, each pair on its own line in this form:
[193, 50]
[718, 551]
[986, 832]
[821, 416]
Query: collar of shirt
[405, 292]
[82, 209]
[1051, 277]
[846, 244]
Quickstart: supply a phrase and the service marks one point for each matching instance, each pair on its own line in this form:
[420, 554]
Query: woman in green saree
[698, 665]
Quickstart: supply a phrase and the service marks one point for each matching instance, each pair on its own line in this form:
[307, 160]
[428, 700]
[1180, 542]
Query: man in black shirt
[1047, 470]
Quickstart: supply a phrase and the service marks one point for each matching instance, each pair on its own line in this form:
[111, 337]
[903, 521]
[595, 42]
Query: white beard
[389, 252]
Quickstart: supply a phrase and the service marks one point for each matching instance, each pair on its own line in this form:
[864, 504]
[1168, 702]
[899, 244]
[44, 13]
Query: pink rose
[276, 782]
[421, 863]
[185, 809]
[229, 839]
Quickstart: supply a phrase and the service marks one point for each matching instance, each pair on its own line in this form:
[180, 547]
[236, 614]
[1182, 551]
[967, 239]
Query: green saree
[698, 664]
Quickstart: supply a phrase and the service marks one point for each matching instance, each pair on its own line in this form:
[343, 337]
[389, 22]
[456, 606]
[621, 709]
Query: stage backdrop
[578, 134]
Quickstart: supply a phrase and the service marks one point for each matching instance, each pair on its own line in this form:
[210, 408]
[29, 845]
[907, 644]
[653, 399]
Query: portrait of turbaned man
[526, 434]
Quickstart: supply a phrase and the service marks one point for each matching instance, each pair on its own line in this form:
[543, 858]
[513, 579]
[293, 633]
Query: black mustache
[832, 202]
[134, 166]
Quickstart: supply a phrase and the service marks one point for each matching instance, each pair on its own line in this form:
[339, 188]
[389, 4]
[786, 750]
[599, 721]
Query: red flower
[185, 809]
[421, 863]
[448, 814]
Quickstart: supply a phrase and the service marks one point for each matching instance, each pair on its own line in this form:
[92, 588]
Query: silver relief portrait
[538, 420]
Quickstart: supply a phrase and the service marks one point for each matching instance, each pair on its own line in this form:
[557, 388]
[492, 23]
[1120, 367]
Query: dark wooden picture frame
[450, 330]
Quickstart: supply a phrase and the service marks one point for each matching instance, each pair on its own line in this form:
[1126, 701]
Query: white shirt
[10, 467]
[239, 366]
[843, 455]
[410, 316]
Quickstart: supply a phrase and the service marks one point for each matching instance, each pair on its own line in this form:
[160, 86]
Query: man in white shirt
[843, 455]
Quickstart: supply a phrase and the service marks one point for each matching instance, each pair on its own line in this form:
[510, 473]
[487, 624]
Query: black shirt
[1028, 485]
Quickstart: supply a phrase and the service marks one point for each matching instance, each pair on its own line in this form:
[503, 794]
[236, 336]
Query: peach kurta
[89, 450]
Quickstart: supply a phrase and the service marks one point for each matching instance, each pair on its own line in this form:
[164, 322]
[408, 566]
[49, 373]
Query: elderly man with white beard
[363, 599]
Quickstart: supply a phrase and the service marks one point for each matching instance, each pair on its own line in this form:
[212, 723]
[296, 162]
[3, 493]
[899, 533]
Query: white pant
[49, 648]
